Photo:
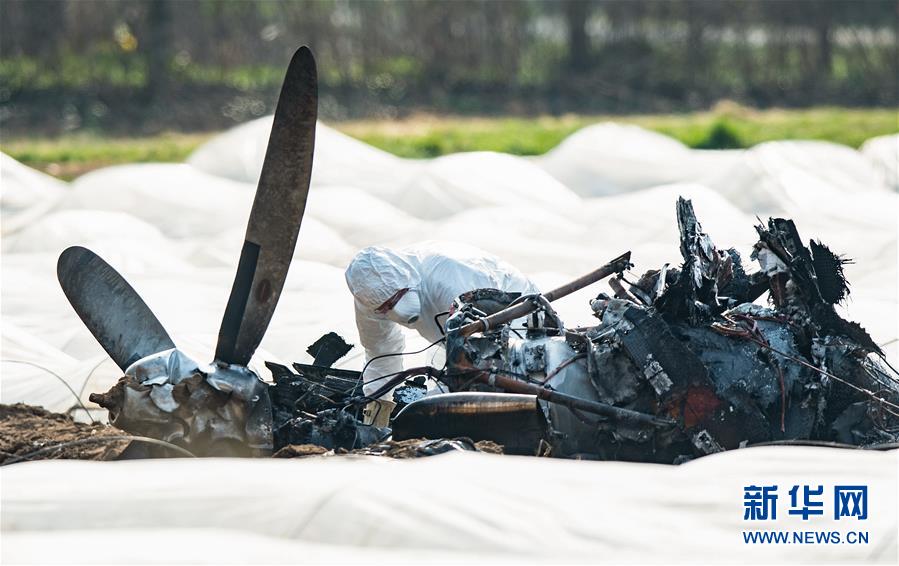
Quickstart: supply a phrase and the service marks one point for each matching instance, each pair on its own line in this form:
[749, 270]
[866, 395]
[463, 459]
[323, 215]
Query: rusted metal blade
[513, 420]
[110, 308]
[276, 215]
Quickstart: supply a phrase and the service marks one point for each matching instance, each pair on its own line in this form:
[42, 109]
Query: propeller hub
[211, 410]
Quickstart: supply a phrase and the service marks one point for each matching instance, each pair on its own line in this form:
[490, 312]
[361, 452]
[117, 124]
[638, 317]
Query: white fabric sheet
[453, 508]
[174, 231]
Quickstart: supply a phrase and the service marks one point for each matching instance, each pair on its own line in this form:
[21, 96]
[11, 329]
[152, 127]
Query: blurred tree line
[201, 64]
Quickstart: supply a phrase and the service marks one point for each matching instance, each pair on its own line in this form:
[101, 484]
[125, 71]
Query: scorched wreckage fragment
[682, 362]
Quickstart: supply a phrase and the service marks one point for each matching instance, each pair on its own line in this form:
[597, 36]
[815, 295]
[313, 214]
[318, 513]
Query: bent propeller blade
[110, 308]
[276, 215]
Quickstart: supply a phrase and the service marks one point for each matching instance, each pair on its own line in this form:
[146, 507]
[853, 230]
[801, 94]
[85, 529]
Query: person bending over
[412, 287]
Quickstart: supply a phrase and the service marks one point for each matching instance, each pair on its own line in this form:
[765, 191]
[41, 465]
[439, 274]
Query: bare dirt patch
[33, 433]
[411, 448]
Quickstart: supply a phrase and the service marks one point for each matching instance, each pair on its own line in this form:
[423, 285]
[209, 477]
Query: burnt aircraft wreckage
[682, 362]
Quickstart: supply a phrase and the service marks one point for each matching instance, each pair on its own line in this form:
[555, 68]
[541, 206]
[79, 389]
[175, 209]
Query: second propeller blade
[276, 215]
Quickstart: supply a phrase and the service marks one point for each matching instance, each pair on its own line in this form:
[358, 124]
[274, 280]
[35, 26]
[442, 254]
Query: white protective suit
[435, 274]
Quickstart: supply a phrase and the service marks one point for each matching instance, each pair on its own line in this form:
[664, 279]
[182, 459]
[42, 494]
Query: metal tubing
[615, 413]
[525, 308]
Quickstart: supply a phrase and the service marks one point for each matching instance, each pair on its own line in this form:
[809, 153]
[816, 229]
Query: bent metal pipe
[526, 307]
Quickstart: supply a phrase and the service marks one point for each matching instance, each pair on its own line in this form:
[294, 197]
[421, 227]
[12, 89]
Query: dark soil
[419, 447]
[33, 433]
[300, 451]
[25, 430]
[411, 448]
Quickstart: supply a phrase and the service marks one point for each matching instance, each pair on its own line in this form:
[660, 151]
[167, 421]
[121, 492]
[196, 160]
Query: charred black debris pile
[684, 361]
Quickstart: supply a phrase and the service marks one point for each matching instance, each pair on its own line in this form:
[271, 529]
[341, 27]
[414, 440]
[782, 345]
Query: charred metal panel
[514, 421]
[328, 349]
